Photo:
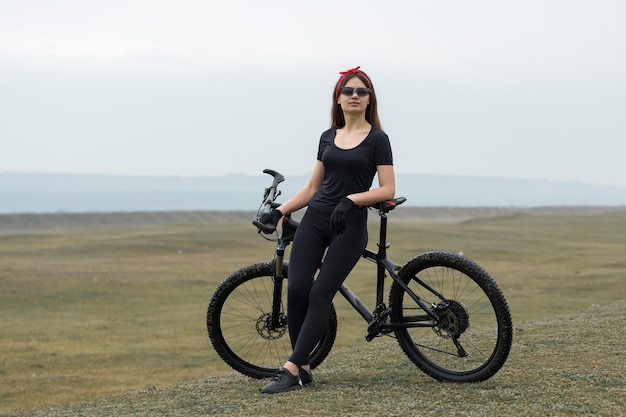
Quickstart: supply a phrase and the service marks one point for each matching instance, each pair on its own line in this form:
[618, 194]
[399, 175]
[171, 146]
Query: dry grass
[570, 365]
[111, 306]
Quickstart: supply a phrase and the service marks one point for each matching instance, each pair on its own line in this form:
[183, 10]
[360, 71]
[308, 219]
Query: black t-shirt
[349, 171]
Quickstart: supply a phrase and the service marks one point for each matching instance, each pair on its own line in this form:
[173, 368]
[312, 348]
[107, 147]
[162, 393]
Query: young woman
[334, 227]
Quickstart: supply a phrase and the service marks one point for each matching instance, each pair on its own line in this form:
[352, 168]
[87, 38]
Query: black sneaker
[283, 381]
[306, 378]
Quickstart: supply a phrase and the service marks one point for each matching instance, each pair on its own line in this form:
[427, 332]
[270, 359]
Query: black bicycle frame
[385, 264]
[375, 320]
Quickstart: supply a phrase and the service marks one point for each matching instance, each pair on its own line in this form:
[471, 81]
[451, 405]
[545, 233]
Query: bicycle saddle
[388, 205]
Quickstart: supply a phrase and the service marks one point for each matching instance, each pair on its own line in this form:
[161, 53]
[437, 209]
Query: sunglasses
[360, 91]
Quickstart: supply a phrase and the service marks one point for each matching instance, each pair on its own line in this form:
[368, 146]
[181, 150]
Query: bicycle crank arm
[380, 316]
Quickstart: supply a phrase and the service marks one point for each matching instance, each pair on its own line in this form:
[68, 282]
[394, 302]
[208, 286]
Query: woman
[350, 153]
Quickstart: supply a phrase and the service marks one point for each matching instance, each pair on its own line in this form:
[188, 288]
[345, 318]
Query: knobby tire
[238, 324]
[473, 314]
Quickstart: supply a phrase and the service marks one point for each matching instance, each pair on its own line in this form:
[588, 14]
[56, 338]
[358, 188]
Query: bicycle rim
[240, 328]
[472, 338]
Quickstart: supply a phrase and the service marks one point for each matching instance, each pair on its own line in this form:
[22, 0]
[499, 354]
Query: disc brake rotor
[267, 331]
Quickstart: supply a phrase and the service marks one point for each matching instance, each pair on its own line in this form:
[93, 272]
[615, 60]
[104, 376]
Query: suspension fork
[278, 262]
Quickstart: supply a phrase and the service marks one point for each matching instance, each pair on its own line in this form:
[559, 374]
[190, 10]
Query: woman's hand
[267, 221]
[338, 218]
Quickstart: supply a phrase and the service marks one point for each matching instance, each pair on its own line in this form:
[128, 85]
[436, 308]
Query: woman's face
[352, 97]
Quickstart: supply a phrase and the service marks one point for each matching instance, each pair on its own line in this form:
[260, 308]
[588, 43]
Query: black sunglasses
[360, 91]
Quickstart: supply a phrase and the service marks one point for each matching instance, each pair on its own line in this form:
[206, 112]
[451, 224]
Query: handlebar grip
[265, 228]
[268, 202]
[278, 177]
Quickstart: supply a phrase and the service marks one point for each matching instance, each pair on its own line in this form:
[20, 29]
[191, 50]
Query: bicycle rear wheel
[240, 327]
[472, 338]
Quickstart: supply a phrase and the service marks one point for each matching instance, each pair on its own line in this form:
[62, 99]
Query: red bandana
[344, 74]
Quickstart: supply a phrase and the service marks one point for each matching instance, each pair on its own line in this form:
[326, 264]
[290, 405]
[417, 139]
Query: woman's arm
[386, 188]
[306, 193]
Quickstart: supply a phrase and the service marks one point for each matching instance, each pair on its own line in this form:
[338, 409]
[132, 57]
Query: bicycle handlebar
[278, 178]
[271, 193]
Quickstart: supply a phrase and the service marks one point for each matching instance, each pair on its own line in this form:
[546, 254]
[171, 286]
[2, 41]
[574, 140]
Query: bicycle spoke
[242, 329]
[465, 343]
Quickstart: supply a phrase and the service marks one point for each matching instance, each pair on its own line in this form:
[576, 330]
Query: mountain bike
[446, 312]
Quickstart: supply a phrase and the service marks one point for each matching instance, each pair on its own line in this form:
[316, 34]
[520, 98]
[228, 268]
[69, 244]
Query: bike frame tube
[356, 303]
[386, 264]
[383, 264]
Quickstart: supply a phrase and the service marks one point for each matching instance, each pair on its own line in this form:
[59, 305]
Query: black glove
[267, 221]
[338, 218]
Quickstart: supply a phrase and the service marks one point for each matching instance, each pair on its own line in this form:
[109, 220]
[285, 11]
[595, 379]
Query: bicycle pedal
[370, 337]
[374, 330]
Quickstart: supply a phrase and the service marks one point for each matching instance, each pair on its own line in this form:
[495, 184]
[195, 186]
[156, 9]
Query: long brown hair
[337, 119]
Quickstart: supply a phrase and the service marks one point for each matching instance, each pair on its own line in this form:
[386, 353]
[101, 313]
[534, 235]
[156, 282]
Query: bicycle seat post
[381, 256]
[382, 239]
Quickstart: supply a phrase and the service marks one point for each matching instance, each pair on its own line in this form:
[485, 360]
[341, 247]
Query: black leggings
[309, 299]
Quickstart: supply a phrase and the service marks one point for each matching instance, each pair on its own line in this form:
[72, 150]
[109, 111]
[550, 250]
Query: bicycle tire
[237, 324]
[473, 311]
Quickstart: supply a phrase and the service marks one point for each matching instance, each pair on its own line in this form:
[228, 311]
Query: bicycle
[446, 312]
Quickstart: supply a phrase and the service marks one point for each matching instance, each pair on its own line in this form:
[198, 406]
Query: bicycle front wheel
[472, 337]
[241, 327]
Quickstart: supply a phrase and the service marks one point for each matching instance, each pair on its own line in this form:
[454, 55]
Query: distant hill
[69, 193]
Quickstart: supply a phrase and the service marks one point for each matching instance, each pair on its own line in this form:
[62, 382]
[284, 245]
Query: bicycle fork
[278, 261]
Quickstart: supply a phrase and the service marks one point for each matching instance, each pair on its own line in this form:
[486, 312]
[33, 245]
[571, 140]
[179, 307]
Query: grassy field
[98, 305]
[568, 365]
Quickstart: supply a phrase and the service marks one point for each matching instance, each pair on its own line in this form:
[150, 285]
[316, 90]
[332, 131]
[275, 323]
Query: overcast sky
[515, 89]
